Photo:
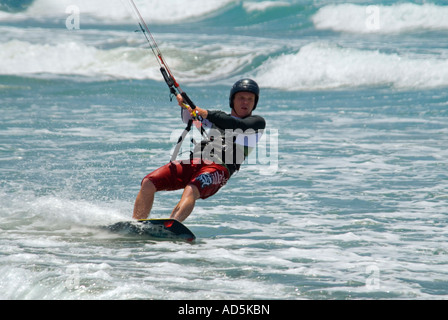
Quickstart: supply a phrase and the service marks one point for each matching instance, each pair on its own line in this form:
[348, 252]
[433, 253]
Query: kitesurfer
[214, 160]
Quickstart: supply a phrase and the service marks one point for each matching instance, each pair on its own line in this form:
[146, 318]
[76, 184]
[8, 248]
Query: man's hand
[194, 113]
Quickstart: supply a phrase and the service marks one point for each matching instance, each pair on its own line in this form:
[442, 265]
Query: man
[214, 160]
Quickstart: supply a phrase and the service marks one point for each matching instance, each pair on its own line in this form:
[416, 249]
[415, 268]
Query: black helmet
[244, 85]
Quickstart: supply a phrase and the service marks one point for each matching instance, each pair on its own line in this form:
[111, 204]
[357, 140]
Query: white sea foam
[56, 211]
[315, 66]
[75, 58]
[115, 55]
[118, 11]
[326, 66]
[263, 5]
[397, 18]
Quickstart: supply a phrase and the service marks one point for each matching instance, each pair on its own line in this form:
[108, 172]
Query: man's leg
[186, 203]
[144, 200]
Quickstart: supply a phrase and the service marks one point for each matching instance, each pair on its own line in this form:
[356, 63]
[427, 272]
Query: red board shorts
[207, 176]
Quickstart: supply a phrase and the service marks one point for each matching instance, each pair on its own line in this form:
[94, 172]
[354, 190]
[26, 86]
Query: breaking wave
[398, 18]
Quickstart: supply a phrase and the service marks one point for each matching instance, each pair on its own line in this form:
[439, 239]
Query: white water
[371, 18]
[355, 209]
[328, 66]
[117, 11]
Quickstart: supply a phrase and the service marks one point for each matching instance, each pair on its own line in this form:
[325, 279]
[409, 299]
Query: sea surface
[346, 197]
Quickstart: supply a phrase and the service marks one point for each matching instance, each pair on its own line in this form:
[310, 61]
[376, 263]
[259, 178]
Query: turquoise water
[348, 201]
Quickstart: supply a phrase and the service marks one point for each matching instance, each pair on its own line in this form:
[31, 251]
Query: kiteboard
[167, 229]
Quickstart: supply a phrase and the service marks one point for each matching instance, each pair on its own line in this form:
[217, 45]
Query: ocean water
[346, 198]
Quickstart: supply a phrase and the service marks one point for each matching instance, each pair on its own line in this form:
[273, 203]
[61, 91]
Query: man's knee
[193, 190]
[148, 185]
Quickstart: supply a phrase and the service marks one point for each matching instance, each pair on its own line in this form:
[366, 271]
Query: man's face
[243, 104]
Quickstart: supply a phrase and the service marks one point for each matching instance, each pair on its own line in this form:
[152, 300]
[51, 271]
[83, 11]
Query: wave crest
[325, 66]
[115, 11]
[398, 18]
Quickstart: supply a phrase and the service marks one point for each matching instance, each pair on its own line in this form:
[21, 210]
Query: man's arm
[226, 121]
